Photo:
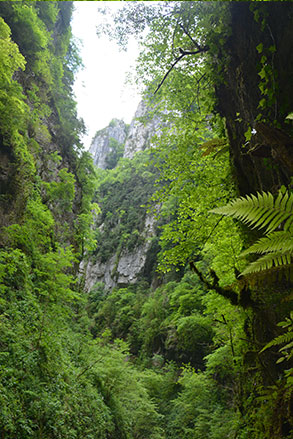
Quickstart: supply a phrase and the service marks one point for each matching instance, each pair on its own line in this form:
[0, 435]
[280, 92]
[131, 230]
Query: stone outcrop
[142, 128]
[137, 137]
[105, 140]
[124, 267]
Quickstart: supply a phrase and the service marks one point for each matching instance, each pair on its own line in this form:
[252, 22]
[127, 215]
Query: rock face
[142, 129]
[137, 138]
[106, 140]
[265, 162]
[124, 267]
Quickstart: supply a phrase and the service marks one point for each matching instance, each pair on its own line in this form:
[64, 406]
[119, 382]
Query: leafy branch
[228, 293]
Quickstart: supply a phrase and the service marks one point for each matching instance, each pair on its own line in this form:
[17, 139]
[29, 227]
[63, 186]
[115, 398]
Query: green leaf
[262, 103]
[248, 134]
[259, 48]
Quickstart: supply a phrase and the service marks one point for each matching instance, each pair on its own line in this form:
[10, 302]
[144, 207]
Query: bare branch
[192, 52]
[169, 71]
[190, 37]
[183, 53]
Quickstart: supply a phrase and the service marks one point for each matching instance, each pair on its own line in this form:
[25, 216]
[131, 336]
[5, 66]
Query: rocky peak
[142, 128]
[117, 140]
[107, 143]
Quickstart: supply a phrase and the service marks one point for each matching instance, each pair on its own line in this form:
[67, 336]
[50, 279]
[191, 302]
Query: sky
[100, 88]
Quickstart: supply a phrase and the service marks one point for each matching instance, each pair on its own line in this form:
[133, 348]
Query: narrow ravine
[140, 296]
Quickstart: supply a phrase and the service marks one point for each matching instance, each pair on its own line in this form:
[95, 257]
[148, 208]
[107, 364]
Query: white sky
[100, 87]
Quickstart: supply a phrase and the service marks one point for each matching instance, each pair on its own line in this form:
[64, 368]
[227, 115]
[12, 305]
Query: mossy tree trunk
[255, 98]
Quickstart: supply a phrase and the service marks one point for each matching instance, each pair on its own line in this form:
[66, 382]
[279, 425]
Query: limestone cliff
[106, 143]
[124, 267]
[117, 139]
[126, 234]
[142, 128]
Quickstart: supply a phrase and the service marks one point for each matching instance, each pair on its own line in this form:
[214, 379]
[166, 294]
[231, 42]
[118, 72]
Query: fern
[267, 262]
[264, 211]
[276, 241]
[285, 339]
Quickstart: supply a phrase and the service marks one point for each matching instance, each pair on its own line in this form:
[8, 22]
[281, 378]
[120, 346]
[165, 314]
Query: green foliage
[183, 61]
[116, 153]
[41, 331]
[172, 321]
[118, 312]
[134, 414]
[36, 294]
[285, 339]
[36, 39]
[122, 195]
[198, 410]
[268, 84]
[11, 58]
[54, 380]
[263, 211]
[86, 178]
[194, 184]
[66, 368]
[194, 175]
[13, 109]
[61, 191]
[175, 322]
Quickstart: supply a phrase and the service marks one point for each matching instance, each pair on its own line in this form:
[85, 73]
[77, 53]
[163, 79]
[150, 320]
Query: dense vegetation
[122, 195]
[56, 381]
[199, 353]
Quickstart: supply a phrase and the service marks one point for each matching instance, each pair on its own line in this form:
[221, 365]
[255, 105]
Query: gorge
[125, 310]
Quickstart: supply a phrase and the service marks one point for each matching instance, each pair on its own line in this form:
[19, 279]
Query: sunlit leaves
[62, 190]
[10, 57]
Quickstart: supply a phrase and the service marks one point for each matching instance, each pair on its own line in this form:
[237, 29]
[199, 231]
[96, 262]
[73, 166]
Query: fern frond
[280, 241]
[289, 345]
[268, 261]
[284, 338]
[261, 210]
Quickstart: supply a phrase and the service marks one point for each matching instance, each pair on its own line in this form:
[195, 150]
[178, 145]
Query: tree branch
[192, 52]
[183, 53]
[225, 292]
[189, 36]
[169, 71]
